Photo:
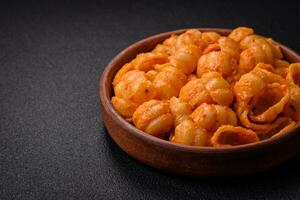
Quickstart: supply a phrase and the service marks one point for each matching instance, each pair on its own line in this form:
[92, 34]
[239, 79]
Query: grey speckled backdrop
[53, 144]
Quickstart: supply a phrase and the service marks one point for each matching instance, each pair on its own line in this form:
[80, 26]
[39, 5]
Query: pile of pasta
[204, 89]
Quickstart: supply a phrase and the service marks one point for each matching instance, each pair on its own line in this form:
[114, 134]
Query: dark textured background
[53, 144]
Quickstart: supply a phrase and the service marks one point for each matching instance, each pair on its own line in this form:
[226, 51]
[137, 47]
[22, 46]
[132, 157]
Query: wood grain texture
[182, 159]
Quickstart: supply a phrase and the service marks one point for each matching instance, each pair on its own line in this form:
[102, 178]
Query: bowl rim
[104, 98]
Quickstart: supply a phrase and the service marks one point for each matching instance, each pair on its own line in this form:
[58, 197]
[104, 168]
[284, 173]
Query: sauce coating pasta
[206, 89]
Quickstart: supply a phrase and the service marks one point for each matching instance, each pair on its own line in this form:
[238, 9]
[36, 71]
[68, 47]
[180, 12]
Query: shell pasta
[206, 89]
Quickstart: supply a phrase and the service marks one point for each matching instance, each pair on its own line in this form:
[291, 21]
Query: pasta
[206, 89]
[126, 68]
[163, 49]
[261, 97]
[210, 88]
[185, 58]
[211, 116]
[281, 67]
[192, 77]
[270, 103]
[252, 83]
[134, 86]
[257, 49]
[153, 117]
[229, 46]
[124, 107]
[224, 44]
[168, 82]
[240, 33]
[260, 129]
[293, 79]
[195, 93]
[146, 61]
[218, 88]
[250, 57]
[197, 128]
[217, 61]
[188, 133]
[210, 37]
[190, 37]
[285, 130]
[180, 110]
[228, 135]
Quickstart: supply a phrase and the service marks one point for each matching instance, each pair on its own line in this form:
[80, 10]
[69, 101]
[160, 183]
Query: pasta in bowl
[202, 90]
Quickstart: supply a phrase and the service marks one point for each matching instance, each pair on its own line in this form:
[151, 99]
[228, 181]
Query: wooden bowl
[183, 159]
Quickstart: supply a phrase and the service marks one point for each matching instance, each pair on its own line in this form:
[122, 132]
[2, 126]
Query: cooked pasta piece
[195, 93]
[218, 88]
[217, 61]
[124, 107]
[180, 110]
[228, 135]
[240, 33]
[257, 49]
[163, 49]
[270, 103]
[154, 117]
[187, 50]
[278, 63]
[171, 41]
[211, 48]
[281, 67]
[261, 97]
[190, 37]
[253, 83]
[147, 61]
[211, 116]
[250, 57]
[168, 82]
[230, 46]
[282, 122]
[211, 88]
[191, 77]
[250, 40]
[185, 58]
[150, 75]
[189, 134]
[285, 130]
[126, 68]
[210, 37]
[134, 86]
[293, 78]
[260, 128]
[275, 48]
[226, 45]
